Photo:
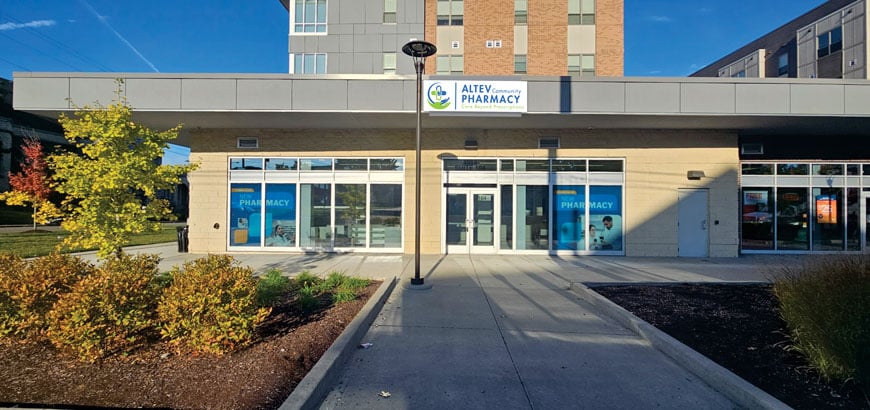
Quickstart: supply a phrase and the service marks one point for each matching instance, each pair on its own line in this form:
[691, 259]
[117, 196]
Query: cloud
[660, 19]
[32, 24]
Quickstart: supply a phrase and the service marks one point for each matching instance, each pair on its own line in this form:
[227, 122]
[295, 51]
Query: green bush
[108, 312]
[30, 290]
[211, 305]
[271, 287]
[826, 305]
[344, 288]
[306, 279]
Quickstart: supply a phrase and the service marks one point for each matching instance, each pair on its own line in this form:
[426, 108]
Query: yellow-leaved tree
[112, 187]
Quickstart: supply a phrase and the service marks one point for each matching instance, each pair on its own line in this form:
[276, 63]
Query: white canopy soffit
[748, 106]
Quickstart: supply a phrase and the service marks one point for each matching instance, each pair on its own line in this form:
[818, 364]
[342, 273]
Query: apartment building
[829, 41]
[474, 37]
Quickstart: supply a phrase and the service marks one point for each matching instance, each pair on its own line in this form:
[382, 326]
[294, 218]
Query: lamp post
[418, 51]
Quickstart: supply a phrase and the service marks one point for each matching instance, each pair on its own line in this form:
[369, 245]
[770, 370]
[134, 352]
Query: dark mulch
[262, 375]
[738, 327]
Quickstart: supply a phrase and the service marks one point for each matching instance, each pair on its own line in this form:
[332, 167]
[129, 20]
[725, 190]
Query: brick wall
[548, 37]
[609, 38]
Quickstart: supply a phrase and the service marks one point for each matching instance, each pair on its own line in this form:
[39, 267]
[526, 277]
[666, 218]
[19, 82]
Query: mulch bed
[286, 347]
[738, 327]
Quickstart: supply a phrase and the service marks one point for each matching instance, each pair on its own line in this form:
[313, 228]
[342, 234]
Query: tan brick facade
[609, 38]
[548, 37]
[489, 20]
[656, 163]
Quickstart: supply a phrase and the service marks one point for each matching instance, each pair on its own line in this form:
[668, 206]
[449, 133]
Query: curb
[311, 390]
[732, 386]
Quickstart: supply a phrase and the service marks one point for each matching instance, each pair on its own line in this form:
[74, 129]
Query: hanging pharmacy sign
[474, 96]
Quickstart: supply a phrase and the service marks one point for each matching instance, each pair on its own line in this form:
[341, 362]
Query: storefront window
[351, 164]
[350, 215]
[569, 214]
[827, 169]
[387, 164]
[853, 227]
[245, 214]
[828, 222]
[314, 215]
[470, 164]
[757, 217]
[247, 164]
[281, 164]
[756, 169]
[386, 216]
[792, 218]
[532, 223]
[792, 169]
[533, 165]
[605, 165]
[605, 216]
[569, 165]
[507, 214]
[280, 223]
[315, 164]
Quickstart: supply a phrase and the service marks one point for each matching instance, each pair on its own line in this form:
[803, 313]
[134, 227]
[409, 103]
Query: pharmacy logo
[437, 97]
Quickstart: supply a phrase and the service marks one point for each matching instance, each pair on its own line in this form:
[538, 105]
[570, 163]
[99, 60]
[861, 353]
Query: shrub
[344, 288]
[32, 288]
[108, 312]
[826, 305]
[271, 287]
[211, 305]
[306, 279]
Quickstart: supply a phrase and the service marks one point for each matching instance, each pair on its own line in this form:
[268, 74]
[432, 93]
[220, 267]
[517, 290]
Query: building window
[581, 65]
[520, 64]
[450, 12]
[830, 42]
[389, 63]
[309, 16]
[450, 64]
[739, 74]
[782, 65]
[521, 11]
[389, 11]
[309, 63]
[581, 12]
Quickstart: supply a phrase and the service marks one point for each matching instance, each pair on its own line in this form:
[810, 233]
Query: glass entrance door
[471, 225]
[865, 222]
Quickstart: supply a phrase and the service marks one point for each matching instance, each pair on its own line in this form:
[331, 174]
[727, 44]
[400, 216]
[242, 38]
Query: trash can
[182, 238]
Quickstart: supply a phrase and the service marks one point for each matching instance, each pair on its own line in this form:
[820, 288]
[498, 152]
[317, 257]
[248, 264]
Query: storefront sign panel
[475, 96]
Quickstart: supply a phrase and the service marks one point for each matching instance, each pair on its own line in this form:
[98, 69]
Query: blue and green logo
[437, 97]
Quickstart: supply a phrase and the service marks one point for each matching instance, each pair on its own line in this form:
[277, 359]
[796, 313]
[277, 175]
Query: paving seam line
[721, 379]
[316, 384]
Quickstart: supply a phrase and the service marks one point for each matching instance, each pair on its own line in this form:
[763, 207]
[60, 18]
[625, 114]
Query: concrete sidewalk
[505, 332]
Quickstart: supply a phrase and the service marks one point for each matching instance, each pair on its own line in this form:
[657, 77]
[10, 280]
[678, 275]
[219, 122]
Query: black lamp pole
[418, 50]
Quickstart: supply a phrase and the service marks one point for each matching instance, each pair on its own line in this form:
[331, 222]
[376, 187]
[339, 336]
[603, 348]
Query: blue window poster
[245, 214]
[570, 210]
[605, 218]
[280, 223]
[604, 226]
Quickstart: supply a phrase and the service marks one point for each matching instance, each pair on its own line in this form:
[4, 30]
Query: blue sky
[662, 37]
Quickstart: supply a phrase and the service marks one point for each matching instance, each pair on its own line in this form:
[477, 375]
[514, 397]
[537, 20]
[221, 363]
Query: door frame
[864, 221]
[469, 247]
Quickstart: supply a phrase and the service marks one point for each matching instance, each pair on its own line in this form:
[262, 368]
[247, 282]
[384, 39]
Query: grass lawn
[29, 244]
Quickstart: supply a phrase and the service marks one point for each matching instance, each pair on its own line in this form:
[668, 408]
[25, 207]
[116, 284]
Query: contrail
[32, 24]
[109, 26]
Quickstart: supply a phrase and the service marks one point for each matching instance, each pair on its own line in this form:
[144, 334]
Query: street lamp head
[419, 49]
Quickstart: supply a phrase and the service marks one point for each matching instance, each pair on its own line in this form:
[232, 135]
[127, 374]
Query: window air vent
[548, 142]
[752, 149]
[248, 142]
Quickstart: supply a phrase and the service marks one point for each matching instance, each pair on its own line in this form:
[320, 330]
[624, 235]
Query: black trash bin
[182, 238]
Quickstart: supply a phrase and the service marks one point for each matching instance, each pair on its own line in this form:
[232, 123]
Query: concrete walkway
[506, 331]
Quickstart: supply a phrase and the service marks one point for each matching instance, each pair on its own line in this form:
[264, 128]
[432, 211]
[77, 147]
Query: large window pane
[280, 224]
[386, 216]
[605, 217]
[532, 223]
[507, 217]
[470, 165]
[756, 169]
[828, 226]
[245, 220]
[792, 169]
[314, 215]
[569, 214]
[533, 165]
[281, 164]
[853, 227]
[350, 215]
[792, 213]
[387, 164]
[315, 164]
[757, 218]
[351, 164]
[248, 164]
[566, 165]
[605, 165]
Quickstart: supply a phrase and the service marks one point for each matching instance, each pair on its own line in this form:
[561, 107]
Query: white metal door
[471, 225]
[693, 235]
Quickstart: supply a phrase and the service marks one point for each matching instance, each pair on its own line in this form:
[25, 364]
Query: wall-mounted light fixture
[695, 174]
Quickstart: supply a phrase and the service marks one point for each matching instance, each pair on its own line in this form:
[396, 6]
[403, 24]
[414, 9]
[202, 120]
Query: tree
[112, 186]
[31, 185]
